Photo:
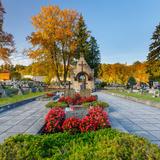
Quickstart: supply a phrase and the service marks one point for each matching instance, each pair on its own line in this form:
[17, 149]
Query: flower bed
[77, 102]
[94, 120]
[77, 99]
[82, 114]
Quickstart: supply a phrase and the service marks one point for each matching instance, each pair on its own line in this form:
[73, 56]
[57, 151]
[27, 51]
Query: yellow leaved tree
[54, 40]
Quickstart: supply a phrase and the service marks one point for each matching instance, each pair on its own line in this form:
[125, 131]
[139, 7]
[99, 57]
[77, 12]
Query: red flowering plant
[77, 99]
[54, 120]
[90, 99]
[67, 100]
[72, 125]
[50, 94]
[96, 119]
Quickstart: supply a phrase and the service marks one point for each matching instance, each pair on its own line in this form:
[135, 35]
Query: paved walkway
[25, 119]
[133, 117]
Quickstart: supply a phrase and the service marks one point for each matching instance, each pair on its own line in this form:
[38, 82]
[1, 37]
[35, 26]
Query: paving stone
[27, 122]
[156, 142]
[18, 129]
[149, 127]
[132, 127]
[139, 120]
[2, 137]
[29, 117]
[13, 122]
[4, 128]
[156, 134]
[134, 117]
[145, 134]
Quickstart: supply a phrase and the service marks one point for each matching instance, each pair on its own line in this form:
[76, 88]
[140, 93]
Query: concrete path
[27, 119]
[133, 117]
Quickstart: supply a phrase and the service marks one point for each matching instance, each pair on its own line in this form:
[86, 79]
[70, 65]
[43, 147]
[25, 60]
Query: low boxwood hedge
[56, 104]
[95, 104]
[107, 144]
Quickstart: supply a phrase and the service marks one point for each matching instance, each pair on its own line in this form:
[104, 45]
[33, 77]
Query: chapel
[82, 76]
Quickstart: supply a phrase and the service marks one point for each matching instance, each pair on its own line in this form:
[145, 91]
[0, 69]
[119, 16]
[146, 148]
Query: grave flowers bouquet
[50, 94]
[77, 99]
[54, 120]
[67, 100]
[72, 125]
[96, 119]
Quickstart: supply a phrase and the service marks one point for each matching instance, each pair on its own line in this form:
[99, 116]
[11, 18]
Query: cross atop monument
[82, 65]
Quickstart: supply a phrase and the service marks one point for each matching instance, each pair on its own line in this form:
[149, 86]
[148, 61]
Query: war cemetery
[62, 100]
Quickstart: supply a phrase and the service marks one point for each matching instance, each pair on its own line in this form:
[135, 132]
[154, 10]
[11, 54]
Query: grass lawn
[136, 95]
[18, 98]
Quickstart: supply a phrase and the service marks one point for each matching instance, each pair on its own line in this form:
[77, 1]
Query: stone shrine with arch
[82, 76]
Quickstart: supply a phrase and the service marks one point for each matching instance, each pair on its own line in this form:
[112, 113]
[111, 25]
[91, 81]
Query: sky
[123, 28]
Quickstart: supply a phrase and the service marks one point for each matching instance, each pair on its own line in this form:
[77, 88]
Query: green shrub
[56, 104]
[107, 144]
[95, 104]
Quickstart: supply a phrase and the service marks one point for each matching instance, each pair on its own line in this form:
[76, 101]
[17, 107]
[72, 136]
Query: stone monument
[82, 76]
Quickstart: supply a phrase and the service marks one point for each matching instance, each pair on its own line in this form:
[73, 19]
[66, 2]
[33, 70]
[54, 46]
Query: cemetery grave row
[11, 88]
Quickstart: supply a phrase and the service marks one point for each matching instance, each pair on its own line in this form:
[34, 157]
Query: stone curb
[149, 103]
[17, 104]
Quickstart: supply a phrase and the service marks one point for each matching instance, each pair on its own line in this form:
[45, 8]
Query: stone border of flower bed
[17, 104]
[153, 104]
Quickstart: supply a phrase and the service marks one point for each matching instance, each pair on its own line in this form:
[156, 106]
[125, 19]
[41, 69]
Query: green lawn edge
[18, 98]
[145, 97]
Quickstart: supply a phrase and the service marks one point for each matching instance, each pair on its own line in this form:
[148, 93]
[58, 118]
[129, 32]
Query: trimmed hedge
[96, 104]
[56, 104]
[107, 144]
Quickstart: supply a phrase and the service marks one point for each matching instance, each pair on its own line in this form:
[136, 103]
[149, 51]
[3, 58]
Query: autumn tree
[114, 73]
[139, 72]
[154, 71]
[54, 41]
[120, 73]
[6, 40]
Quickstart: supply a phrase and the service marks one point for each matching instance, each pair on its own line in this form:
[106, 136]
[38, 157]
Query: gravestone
[85, 92]
[69, 92]
[2, 91]
[156, 93]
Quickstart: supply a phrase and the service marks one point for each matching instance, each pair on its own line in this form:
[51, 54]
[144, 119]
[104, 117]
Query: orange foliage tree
[114, 73]
[139, 71]
[120, 73]
[6, 40]
[54, 40]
